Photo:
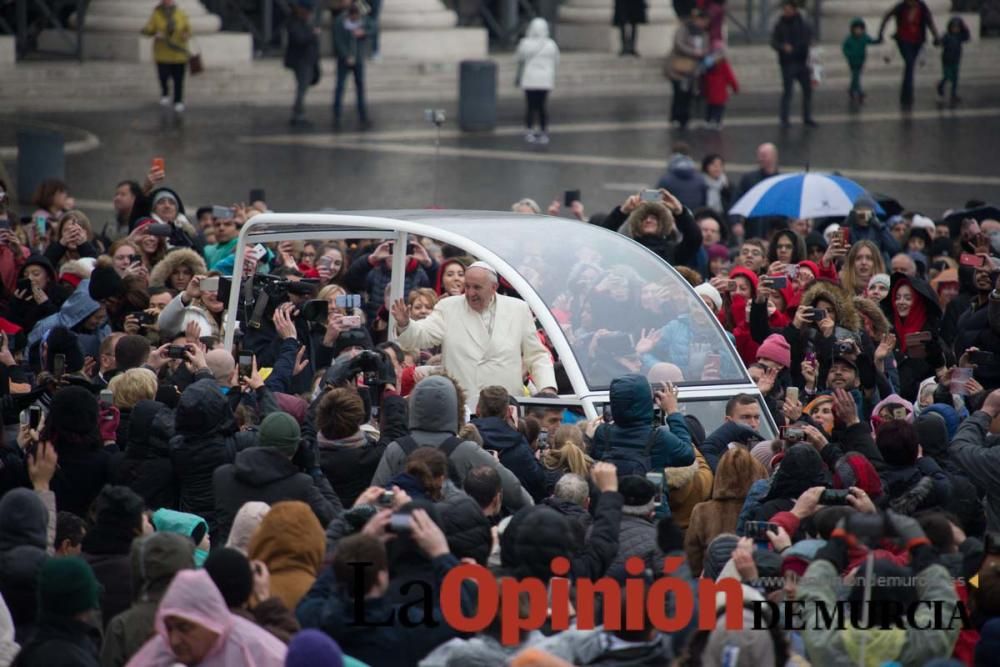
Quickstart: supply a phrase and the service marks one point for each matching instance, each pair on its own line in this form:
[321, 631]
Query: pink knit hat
[776, 349]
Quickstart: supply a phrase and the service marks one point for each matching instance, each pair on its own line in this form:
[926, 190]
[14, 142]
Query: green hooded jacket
[855, 47]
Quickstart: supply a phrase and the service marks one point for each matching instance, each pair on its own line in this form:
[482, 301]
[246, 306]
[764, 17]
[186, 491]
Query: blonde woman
[567, 453]
[864, 260]
[421, 302]
[128, 388]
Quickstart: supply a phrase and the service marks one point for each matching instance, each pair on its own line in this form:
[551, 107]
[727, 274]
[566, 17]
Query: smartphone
[731, 286]
[845, 236]
[348, 301]
[777, 282]
[246, 364]
[41, 224]
[386, 499]
[834, 497]
[650, 195]
[606, 414]
[160, 229]
[223, 213]
[975, 261]
[571, 196]
[792, 394]
[982, 357]
[34, 416]
[918, 338]
[24, 284]
[817, 314]
[256, 194]
[792, 434]
[177, 352]
[159, 163]
[959, 376]
[757, 530]
[59, 365]
[107, 397]
[656, 478]
[258, 252]
[350, 321]
[210, 284]
[399, 523]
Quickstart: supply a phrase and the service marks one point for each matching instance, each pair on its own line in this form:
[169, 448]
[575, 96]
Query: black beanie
[41, 261]
[105, 283]
[74, 410]
[230, 570]
[637, 491]
[63, 341]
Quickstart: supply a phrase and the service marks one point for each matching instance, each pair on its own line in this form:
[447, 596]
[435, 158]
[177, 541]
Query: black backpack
[409, 445]
[629, 460]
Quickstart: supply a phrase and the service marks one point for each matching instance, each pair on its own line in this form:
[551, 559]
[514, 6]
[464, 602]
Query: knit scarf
[881, 646]
[715, 187]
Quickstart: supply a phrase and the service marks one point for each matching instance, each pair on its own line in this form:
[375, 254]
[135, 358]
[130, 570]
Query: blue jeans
[343, 70]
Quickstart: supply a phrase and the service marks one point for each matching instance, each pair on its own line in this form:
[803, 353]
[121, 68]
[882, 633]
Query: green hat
[281, 431]
[66, 587]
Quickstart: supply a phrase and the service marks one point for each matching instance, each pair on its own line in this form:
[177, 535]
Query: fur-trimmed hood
[180, 256]
[648, 208]
[847, 316]
[871, 310]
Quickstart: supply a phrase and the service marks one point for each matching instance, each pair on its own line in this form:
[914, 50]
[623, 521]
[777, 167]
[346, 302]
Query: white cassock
[474, 357]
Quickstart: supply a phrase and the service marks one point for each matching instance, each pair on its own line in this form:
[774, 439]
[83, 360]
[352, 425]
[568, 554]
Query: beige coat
[475, 358]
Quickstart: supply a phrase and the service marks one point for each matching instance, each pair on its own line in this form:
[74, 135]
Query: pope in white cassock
[486, 338]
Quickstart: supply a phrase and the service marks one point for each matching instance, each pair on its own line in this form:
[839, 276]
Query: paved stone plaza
[606, 146]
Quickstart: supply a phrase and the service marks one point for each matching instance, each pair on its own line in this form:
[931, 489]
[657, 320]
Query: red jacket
[717, 82]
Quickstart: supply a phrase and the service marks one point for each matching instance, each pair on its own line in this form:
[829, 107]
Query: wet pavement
[931, 159]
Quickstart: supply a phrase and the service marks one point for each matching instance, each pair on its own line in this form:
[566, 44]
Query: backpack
[629, 460]
[409, 445]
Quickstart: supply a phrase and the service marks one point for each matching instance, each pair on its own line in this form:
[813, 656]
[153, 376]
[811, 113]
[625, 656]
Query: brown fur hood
[871, 310]
[645, 209]
[847, 317]
[181, 256]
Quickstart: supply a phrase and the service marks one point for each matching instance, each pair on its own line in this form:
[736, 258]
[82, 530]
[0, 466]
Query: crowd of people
[164, 499]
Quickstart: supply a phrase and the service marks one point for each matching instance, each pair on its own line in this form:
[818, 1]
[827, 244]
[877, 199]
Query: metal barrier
[34, 16]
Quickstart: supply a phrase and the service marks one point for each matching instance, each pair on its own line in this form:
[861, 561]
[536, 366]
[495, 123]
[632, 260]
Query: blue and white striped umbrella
[801, 195]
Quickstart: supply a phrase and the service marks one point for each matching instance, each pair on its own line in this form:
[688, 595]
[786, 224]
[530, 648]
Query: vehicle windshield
[620, 307]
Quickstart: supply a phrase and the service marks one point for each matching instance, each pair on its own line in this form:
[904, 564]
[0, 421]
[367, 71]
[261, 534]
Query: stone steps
[263, 82]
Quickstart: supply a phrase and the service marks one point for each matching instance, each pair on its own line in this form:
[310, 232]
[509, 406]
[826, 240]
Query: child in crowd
[717, 82]
[855, 48]
[951, 56]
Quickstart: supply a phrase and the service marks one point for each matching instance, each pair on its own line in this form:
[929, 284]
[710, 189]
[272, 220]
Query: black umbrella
[980, 213]
[890, 205]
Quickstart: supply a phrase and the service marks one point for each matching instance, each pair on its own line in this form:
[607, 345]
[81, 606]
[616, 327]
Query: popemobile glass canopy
[607, 305]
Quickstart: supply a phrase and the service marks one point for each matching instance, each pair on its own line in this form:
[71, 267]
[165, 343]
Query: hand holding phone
[570, 196]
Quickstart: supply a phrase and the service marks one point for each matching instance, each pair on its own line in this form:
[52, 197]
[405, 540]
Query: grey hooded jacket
[434, 419]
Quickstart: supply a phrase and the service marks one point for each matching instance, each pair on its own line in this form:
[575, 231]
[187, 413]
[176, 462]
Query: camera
[177, 352]
[843, 347]
[145, 319]
[435, 116]
[757, 530]
[374, 365]
[385, 500]
[834, 497]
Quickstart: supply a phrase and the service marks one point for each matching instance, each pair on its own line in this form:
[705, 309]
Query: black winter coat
[145, 465]
[303, 45]
[794, 31]
[350, 469]
[514, 452]
[79, 478]
[637, 537]
[61, 642]
[265, 474]
[206, 438]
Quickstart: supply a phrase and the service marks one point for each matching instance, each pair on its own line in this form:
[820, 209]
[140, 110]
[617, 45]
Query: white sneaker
[530, 136]
[165, 100]
[179, 107]
[543, 138]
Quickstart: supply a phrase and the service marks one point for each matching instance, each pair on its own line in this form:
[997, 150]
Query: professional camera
[374, 365]
[267, 292]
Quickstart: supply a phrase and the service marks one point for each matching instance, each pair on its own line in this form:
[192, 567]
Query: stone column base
[8, 51]
[222, 49]
[655, 39]
[435, 45]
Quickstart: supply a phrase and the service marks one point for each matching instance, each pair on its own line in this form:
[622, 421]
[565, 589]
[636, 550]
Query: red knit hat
[776, 349]
[856, 470]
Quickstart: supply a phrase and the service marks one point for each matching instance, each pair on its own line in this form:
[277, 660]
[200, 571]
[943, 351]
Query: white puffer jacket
[540, 57]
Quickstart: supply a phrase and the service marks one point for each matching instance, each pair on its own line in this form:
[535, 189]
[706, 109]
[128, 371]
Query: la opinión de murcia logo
[643, 604]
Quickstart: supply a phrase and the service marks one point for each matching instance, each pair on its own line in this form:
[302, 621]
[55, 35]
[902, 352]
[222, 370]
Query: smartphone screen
[246, 364]
[59, 365]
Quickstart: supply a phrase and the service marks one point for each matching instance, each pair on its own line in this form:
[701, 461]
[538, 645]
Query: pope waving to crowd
[485, 338]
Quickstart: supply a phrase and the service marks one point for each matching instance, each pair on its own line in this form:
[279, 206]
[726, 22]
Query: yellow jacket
[172, 47]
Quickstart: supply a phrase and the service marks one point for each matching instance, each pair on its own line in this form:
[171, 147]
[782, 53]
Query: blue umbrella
[801, 195]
